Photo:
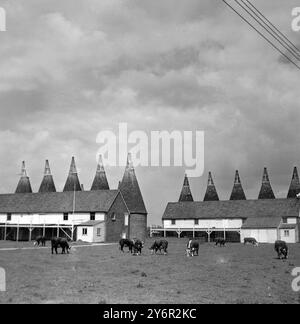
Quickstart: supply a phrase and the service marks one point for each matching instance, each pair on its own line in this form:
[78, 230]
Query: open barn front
[202, 235]
[31, 232]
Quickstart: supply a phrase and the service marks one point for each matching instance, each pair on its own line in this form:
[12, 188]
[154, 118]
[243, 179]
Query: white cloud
[71, 68]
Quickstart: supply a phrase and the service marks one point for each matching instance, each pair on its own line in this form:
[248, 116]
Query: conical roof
[186, 194]
[47, 184]
[237, 190]
[294, 189]
[211, 191]
[24, 185]
[266, 191]
[72, 183]
[100, 181]
[130, 190]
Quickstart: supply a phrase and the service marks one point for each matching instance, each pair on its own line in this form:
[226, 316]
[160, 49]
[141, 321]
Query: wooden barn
[267, 219]
[74, 213]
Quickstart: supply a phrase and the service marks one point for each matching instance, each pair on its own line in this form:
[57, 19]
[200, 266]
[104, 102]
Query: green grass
[234, 274]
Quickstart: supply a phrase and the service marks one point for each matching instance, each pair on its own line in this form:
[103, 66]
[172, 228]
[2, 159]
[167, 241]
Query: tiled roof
[47, 184]
[232, 209]
[72, 182]
[211, 191]
[262, 222]
[294, 188]
[288, 226]
[131, 190]
[237, 190]
[24, 185]
[100, 181]
[186, 194]
[91, 223]
[266, 191]
[58, 202]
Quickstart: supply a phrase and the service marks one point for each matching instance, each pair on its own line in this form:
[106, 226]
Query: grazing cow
[282, 249]
[126, 242]
[40, 240]
[57, 242]
[137, 247]
[220, 241]
[159, 245]
[250, 240]
[192, 248]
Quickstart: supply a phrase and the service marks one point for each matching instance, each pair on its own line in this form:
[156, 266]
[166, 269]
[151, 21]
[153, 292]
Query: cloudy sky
[69, 69]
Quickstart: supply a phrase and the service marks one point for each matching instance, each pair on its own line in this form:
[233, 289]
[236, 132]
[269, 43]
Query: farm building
[267, 219]
[98, 215]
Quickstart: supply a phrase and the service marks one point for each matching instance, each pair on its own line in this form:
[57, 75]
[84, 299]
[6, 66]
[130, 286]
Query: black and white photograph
[149, 155]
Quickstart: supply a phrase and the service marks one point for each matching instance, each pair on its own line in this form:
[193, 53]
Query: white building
[97, 215]
[92, 232]
[266, 219]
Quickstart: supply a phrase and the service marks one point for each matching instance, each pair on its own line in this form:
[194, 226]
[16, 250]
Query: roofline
[260, 227]
[91, 225]
[114, 191]
[228, 200]
[119, 193]
[54, 193]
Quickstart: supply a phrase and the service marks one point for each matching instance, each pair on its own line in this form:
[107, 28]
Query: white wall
[289, 239]
[91, 236]
[292, 220]
[204, 223]
[261, 235]
[40, 219]
[85, 238]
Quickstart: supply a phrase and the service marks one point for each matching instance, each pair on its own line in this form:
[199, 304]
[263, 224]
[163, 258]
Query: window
[98, 231]
[93, 216]
[8, 217]
[113, 217]
[126, 219]
[84, 231]
[173, 222]
[66, 216]
[284, 220]
[196, 221]
[286, 233]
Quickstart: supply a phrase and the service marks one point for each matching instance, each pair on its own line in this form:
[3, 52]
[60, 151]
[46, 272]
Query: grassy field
[102, 274]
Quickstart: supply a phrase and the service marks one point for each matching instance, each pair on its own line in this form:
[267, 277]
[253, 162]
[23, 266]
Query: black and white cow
[282, 249]
[250, 240]
[137, 246]
[57, 242]
[159, 245]
[192, 248]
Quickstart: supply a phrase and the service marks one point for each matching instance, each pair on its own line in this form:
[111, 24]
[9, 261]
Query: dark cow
[40, 240]
[159, 245]
[126, 242]
[250, 240]
[57, 242]
[282, 249]
[220, 241]
[137, 247]
[192, 248]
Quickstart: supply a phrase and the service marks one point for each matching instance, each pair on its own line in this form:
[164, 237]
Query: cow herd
[135, 246]
[56, 242]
